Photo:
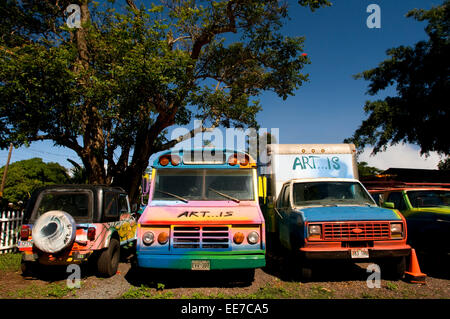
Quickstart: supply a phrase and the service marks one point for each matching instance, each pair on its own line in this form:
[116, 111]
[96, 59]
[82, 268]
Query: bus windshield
[330, 193]
[204, 184]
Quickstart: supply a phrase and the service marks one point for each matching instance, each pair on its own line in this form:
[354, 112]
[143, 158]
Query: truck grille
[356, 231]
[201, 237]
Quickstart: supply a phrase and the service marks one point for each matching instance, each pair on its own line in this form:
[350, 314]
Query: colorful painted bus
[202, 213]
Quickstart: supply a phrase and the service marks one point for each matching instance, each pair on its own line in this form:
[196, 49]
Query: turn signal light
[172, 159]
[238, 238]
[163, 238]
[91, 233]
[25, 232]
[241, 159]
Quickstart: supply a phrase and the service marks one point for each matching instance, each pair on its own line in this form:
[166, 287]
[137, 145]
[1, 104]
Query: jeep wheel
[28, 268]
[54, 231]
[108, 261]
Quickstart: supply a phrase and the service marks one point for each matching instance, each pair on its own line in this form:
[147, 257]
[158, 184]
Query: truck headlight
[253, 238]
[315, 230]
[396, 230]
[148, 238]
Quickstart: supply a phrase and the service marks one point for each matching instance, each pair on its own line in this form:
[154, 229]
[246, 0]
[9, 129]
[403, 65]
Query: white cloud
[400, 156]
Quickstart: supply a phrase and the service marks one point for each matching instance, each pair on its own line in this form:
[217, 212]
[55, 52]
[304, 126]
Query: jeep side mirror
[389, 205]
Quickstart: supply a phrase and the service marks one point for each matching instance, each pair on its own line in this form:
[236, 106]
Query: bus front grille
[201, 237]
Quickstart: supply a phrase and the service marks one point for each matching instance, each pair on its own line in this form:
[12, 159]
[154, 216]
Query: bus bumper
[191, 262]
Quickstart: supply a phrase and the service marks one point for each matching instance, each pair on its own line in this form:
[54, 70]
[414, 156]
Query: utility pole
[6, 170]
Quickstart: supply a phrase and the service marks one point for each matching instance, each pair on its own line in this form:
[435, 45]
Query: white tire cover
[54, 231]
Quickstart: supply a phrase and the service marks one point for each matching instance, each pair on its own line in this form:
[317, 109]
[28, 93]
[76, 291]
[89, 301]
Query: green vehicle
[427, 213]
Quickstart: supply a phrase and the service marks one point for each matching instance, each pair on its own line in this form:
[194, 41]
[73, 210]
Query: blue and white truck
[316, 209]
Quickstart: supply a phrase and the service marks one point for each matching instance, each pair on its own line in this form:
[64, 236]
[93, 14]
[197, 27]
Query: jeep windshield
[330, 193]
[429, 198]
[203, 185]
[74, 203]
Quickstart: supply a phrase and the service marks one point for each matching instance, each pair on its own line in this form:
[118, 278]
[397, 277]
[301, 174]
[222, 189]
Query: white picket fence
[10, 223]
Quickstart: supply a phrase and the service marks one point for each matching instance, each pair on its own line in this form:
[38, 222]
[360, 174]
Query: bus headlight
[253, 238]
[148, 238]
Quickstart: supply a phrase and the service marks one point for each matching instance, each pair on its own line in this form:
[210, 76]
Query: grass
[52, 290]
[391, 286]
[318, 292]
[10, 262]
[147, 292]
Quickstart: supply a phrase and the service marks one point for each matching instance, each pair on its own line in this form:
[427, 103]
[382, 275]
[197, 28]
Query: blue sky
[328, 108]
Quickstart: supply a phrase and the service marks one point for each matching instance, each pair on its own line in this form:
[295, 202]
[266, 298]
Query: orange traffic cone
[414, 275]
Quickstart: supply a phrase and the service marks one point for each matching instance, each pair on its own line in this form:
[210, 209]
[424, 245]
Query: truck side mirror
[389, 205]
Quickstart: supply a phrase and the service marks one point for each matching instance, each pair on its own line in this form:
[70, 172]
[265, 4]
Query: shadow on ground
[153, 278]
[435, 265]
[52, 273]
[321, 271]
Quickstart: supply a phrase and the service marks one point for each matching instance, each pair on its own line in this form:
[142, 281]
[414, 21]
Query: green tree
[419, 114]
[78, 173]
[110, 89]
[23, 177]
[444, 165]
[364, 170]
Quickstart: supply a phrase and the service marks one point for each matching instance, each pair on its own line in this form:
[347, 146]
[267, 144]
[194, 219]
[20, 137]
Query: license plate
[200, 265]
[360, 253]
[24, 244]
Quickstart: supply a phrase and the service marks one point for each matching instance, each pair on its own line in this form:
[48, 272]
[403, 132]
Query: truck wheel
[108, 261]
[395, 268]
[306, 272]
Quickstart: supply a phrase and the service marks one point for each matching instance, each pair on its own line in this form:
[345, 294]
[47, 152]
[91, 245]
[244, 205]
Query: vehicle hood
[347, 213]
[435, 210]
[194, 213]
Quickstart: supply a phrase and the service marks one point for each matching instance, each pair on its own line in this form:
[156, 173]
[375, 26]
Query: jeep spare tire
[54, 231]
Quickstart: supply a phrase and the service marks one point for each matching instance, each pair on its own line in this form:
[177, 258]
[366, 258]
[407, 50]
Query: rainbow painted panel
[201, 229]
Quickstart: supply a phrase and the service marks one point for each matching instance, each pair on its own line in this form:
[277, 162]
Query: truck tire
[108, 261]
[54, 231]
[394, 268]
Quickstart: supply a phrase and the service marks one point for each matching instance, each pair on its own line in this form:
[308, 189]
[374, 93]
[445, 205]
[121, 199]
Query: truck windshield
[429, 198]
[330, 193]
[203, 184]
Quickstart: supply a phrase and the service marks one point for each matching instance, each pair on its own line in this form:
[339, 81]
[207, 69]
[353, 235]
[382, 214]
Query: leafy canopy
[23, 177]
[419, 113]
[110, 89]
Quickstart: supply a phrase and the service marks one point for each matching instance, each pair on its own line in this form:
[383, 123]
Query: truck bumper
[216, 261]
[379, 252]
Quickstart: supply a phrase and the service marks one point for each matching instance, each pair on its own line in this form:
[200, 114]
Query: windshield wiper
[225, 195]
[173, 195]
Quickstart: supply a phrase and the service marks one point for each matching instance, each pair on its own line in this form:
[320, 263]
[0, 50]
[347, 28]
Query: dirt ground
[331, 280]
